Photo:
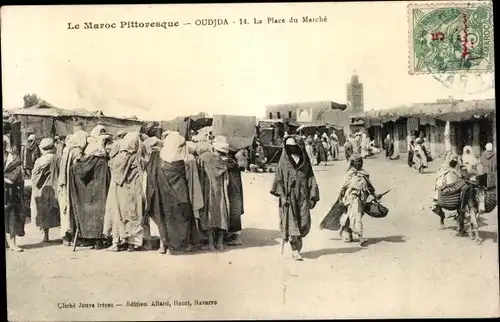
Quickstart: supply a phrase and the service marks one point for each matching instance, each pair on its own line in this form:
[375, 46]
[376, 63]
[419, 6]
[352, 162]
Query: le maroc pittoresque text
[210, 23]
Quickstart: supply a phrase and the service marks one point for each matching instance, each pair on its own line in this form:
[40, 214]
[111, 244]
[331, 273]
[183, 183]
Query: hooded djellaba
[44, 205]
[215, 217]
[125, 203]
[195, 195]
[296, 187]
[167, 195]
[72, 153]
[89, 184]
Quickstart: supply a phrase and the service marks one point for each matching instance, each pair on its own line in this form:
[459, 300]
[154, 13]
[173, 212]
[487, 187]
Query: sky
[237, 69]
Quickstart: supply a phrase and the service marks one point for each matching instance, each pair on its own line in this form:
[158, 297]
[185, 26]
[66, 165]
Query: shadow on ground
[388, 239]
[255, 237]
[57, 242]
[489, 235]
[315, 254]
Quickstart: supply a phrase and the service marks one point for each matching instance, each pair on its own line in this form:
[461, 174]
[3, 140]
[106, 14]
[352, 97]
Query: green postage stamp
[451, 37]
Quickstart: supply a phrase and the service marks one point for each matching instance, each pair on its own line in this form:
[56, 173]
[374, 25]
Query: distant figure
[260, 156]
[321, 155]
[348, 147]
[58, 146]
[411, 149]
[364, 146]
[489, 165]
[29, 153]
[309, 148]
[388, 146]
[335, 147]
[372, 149]
[419, 156]
[356, 144]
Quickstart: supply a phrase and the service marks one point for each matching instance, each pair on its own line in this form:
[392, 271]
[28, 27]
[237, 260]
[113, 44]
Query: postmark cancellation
[451, 38]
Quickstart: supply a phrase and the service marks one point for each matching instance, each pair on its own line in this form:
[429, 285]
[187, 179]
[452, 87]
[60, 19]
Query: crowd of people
[101, 190]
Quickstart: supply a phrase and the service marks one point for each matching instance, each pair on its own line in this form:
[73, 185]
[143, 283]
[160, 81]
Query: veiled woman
[152, 148]
[296, 187]
[204, 217]
[172, 213]
[125, 202]
[72, 152]
[13, 194]
[44, 205]
[89, 184]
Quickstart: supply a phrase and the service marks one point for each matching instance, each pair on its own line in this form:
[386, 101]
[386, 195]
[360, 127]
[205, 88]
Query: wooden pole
[447, 137]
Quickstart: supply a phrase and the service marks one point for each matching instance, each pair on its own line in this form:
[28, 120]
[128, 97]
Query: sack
[490, 201]
[375, 209]
[332, 218]
[449, 195]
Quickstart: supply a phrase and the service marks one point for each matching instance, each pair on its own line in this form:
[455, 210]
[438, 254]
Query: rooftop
[446, 110]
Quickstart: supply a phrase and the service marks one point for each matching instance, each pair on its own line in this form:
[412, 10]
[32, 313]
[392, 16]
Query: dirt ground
[409, 269]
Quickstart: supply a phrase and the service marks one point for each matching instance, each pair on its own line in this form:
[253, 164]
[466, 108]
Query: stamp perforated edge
[409, 19]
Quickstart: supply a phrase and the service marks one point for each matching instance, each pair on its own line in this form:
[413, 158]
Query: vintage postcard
[250, 161]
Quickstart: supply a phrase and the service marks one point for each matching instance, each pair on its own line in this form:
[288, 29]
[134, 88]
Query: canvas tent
[240, 130]
[184, 125]
[46, 120]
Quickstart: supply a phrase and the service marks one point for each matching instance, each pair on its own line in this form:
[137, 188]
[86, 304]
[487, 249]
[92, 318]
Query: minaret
[355, 95]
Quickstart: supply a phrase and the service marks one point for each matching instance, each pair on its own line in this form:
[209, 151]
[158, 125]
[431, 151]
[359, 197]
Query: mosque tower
[355, 95]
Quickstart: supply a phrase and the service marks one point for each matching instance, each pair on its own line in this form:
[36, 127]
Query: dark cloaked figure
[167, 194]
[29, 153]
[296, 187]
[321, 154]
[411, 149]
[13, 194]
[388, 146]
[235, 192]
[89, 184]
